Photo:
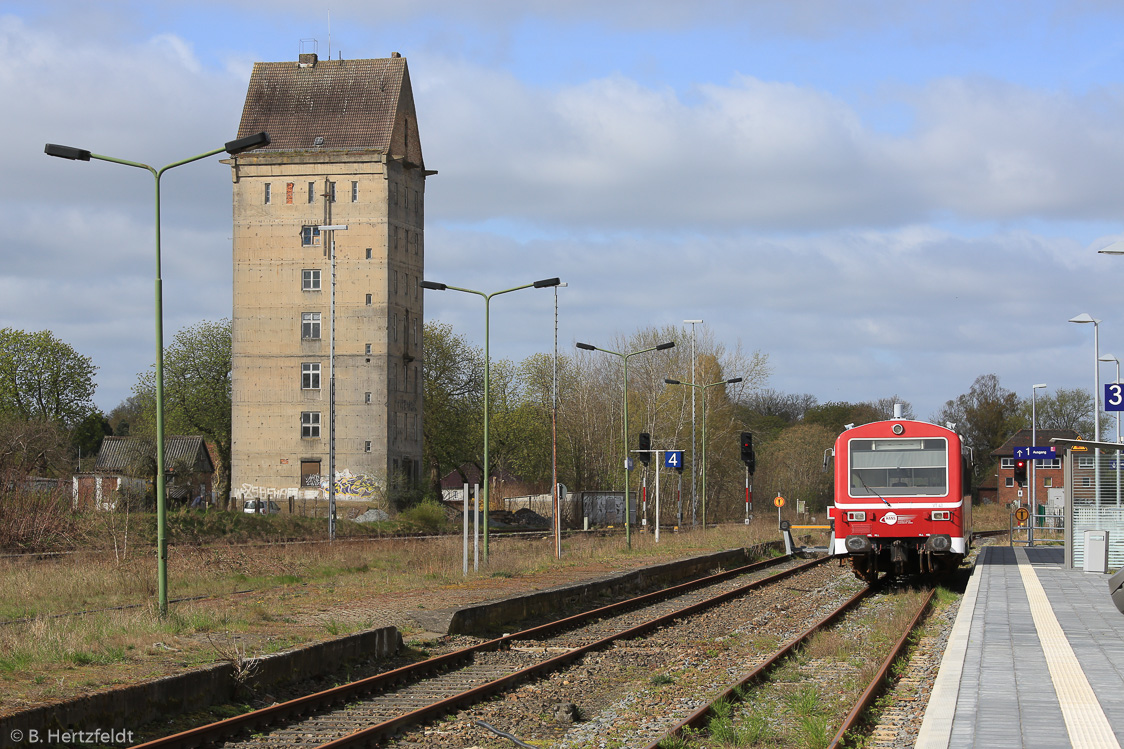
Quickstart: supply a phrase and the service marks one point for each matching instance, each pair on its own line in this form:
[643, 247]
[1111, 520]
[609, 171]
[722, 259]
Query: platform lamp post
[1106, 358]
[694, 470]
[1033, 462]
[703, 388]
[434, 286]
[233, 148]
[557, 500]
[624, 431]
[1086, 318]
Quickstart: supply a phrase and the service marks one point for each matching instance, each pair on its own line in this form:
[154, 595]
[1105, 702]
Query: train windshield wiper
[872, 491]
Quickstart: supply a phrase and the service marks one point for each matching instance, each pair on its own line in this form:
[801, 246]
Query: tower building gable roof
[319, 105]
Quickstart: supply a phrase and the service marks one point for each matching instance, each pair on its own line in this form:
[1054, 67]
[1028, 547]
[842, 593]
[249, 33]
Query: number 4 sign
[673, 459]
[1114, 397]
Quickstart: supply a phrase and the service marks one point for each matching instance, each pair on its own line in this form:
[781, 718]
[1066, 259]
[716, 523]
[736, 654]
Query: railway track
[377, 709]
[719, 719]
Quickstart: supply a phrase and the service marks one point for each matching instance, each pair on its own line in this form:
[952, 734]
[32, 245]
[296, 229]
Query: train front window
[899, 467]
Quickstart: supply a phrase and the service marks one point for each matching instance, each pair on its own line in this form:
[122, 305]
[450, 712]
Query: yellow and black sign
[1022, 514]
[779, 501]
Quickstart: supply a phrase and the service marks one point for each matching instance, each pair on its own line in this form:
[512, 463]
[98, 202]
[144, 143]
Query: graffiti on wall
[348, 486]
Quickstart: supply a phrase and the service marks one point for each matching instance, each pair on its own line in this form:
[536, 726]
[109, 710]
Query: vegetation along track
[380, 707]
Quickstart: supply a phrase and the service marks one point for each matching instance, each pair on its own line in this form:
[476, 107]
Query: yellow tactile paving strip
[1085, 720]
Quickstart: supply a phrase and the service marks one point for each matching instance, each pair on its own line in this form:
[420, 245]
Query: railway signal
[645, 447]
[1020, 471]
[748, 456]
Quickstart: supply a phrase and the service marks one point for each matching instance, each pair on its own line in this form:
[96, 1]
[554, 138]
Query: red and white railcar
[902, 501]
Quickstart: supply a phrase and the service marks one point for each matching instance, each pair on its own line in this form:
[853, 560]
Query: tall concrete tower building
[344, 152]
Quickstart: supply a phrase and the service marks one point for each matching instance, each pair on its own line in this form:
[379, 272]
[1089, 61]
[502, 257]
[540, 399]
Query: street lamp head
[665, 346]
[67, 152]
[690, 322]
[731, 382]
[432, 285]
[250, 142]
[672, 382]
[1116, 248]
[1039, 387]
[586, 347]
[547, 283]
[1084, 317]
[1105, 357]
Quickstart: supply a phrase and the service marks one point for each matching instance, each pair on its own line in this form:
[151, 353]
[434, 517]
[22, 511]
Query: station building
[345, 151]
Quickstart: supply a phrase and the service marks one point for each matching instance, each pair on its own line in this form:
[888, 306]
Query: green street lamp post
[703, 388]
[233, 148]
[624, 430]
[434, 286]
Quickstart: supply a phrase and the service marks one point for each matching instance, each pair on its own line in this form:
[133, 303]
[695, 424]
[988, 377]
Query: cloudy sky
[884, 197]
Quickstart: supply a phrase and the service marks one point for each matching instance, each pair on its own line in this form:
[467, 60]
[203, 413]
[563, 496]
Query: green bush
[426, 516]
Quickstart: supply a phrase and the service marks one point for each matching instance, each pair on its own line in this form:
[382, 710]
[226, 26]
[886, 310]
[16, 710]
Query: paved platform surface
[1035, 658]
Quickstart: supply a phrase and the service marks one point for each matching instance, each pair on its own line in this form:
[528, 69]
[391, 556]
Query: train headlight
[940, 543]
[854, 516]
[942, 515]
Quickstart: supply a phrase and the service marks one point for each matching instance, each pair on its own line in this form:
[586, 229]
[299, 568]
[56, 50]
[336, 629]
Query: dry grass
[54, 653]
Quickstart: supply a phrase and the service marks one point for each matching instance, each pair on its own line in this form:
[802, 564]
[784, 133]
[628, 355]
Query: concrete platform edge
[936, 726]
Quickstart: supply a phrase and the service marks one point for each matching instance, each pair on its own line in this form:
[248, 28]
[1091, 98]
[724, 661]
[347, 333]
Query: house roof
[122, 454]
[1021, 438]
[324, 105]
[472, 473]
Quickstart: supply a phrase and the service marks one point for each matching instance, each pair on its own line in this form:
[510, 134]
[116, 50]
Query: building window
[310, 375]
[310, 279]
[417, 369]
[368, 300]
[367, 447]
[1086, 481]
[1010, 482]
[311, 192]
[310, 236]
[394, 278]
[332, 192]
[414, 239]
[416, 337]
[394, 326]
[414, 427]
[310, 326]
[405, 198]
[394, 193]
[310, 424]
[268, 192]
[366, 397]
[417, 203]
[1048, 481]
[396, 239]
[367, 349]
[1006, 462]
[1085, 461]
[1048, 463]
[399, 426]
[368, 253]
[355, 199]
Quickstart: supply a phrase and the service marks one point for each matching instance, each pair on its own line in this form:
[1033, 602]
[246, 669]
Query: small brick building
[1048, 474]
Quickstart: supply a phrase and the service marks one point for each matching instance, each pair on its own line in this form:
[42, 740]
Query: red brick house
[1048, 474]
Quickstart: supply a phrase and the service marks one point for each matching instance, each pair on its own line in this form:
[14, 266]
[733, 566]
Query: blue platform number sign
[673, 459]
[1114, 397]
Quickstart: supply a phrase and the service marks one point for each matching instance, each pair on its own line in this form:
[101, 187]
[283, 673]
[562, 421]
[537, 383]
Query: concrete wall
[132, 707]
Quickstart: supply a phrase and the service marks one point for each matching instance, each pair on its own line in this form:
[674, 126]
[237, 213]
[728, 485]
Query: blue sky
[883, 197]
